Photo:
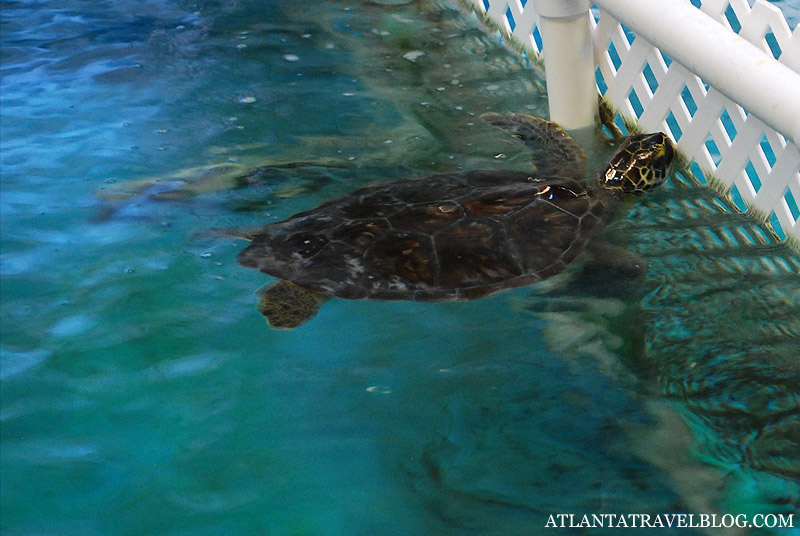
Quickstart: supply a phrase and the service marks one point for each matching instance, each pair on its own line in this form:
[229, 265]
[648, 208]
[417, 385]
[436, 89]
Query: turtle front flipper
[286, 305]
[555, 153]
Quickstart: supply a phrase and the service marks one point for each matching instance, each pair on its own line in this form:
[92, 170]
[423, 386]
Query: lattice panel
[759, 167]
[516, 17]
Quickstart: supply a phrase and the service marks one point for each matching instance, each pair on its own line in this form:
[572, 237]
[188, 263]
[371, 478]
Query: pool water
[143, 394]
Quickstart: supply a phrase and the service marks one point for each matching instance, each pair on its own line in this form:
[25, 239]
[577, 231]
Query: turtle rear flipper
[286, 305]
[554, 152]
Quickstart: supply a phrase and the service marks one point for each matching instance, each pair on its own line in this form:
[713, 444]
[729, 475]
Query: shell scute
[366, 203]
[400, 263]
[362, 233]
[282, 251]
[500, 201]
[428, 218]
[336, 270]
[476, 253]
[431, 189]
[545, 234]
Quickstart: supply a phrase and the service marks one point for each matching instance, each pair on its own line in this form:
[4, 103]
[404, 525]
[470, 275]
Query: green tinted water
[142, 393]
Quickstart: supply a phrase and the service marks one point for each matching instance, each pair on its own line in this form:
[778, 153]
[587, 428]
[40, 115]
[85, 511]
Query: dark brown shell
[446, 237]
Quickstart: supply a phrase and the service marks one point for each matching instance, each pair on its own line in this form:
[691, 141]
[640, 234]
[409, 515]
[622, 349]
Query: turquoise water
[143, 394]
[790, 9]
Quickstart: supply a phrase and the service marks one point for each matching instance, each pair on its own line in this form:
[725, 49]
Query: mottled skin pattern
[455, 236]
[287, 305]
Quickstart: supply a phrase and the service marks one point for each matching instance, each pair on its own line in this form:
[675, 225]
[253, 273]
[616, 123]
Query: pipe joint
[561, 9]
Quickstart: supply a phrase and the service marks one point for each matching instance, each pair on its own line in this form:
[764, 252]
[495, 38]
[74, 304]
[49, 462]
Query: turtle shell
[446, 237]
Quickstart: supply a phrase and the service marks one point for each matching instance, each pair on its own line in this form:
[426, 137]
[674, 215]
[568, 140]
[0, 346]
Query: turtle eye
[659, 156]
[662, 157]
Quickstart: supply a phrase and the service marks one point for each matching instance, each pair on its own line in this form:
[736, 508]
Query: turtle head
[642, 162]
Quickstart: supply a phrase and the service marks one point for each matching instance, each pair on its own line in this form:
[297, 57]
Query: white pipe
[738, 69]
[568, 61]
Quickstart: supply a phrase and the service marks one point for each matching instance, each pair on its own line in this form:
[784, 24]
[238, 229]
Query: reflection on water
[723, 332]
[141, 393]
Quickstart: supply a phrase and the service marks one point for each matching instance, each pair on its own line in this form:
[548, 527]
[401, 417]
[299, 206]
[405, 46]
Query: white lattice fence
[759, 166]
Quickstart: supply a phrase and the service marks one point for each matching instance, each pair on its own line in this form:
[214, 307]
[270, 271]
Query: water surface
[142, 393]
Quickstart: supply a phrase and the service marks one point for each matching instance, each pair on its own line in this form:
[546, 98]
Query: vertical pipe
[568, 61]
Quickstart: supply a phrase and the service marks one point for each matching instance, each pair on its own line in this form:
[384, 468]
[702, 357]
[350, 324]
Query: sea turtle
[455, 236]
